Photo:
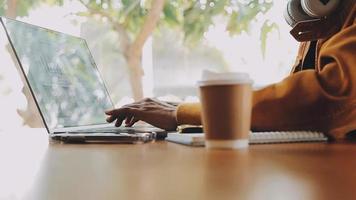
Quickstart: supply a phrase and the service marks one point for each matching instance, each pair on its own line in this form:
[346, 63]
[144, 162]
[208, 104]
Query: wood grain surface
[32, 167]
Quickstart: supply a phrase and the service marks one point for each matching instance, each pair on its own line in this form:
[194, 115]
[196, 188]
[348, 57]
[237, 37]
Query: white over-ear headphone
[302, 10]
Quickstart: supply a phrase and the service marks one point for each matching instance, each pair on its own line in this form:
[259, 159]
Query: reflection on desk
[34, 168]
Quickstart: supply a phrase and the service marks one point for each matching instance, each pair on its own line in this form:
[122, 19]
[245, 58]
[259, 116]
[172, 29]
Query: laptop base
[84, 137]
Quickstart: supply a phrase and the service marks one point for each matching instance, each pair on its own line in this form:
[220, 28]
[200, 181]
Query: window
[249, 36]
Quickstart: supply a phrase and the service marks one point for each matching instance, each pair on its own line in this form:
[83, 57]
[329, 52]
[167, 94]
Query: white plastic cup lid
[227, 78]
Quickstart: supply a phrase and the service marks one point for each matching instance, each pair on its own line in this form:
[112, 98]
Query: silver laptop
[66, 86]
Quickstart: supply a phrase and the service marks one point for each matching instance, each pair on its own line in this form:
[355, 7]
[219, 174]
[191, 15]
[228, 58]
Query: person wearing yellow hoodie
[319, 94]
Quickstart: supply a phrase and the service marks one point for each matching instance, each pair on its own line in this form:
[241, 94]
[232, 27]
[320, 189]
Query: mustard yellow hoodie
[321, 97]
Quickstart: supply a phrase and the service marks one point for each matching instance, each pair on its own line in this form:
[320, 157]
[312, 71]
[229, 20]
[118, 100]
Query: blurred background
[154, 48]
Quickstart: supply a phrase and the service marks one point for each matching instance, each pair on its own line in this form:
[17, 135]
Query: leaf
[266, 28]
[83, 14]
[232, 25]
[171, 14]
[216, 7]
[56, 2]
[2, 7]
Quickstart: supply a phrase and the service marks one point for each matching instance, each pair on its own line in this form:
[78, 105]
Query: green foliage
[171, 14]
[55, 2]
[192, 17]
[241, 17]
[24, 6]
[2, 7]
[267, 27]
[198, 17]
[130, 14]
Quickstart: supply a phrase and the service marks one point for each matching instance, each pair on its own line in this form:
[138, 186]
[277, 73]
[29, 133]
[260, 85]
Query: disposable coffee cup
[226, 100]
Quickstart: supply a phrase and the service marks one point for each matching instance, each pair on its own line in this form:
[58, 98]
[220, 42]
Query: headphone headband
[302, 10]
[307, 16]
[319, 8]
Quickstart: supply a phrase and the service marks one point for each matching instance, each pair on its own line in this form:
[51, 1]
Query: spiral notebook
[197, 139]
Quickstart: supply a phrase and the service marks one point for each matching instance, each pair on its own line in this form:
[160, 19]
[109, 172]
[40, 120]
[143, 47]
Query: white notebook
[197, 139]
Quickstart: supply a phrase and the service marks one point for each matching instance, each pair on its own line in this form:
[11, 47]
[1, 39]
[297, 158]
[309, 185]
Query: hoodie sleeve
[314, 99]
[322, 99]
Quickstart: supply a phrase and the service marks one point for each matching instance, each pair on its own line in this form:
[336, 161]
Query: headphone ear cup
[319, 8]
[294, 13]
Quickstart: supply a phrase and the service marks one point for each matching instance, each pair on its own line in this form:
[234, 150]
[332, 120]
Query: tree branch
[148, 27]
[135, 50]
[11, 8]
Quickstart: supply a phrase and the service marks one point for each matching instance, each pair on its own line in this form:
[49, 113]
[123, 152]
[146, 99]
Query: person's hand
[157, 113]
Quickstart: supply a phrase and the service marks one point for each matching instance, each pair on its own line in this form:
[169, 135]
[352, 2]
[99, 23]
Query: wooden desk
[34, 168]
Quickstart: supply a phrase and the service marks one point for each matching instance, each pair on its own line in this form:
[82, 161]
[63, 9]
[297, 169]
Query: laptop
[66, 85]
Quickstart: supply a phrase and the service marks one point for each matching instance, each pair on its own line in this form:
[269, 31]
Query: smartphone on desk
[189, 129]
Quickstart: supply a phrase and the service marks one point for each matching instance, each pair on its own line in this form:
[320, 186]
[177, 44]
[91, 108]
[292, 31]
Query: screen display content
[62, 74]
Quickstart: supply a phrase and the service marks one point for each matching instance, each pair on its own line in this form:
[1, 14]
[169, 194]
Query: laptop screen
[62, 75]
